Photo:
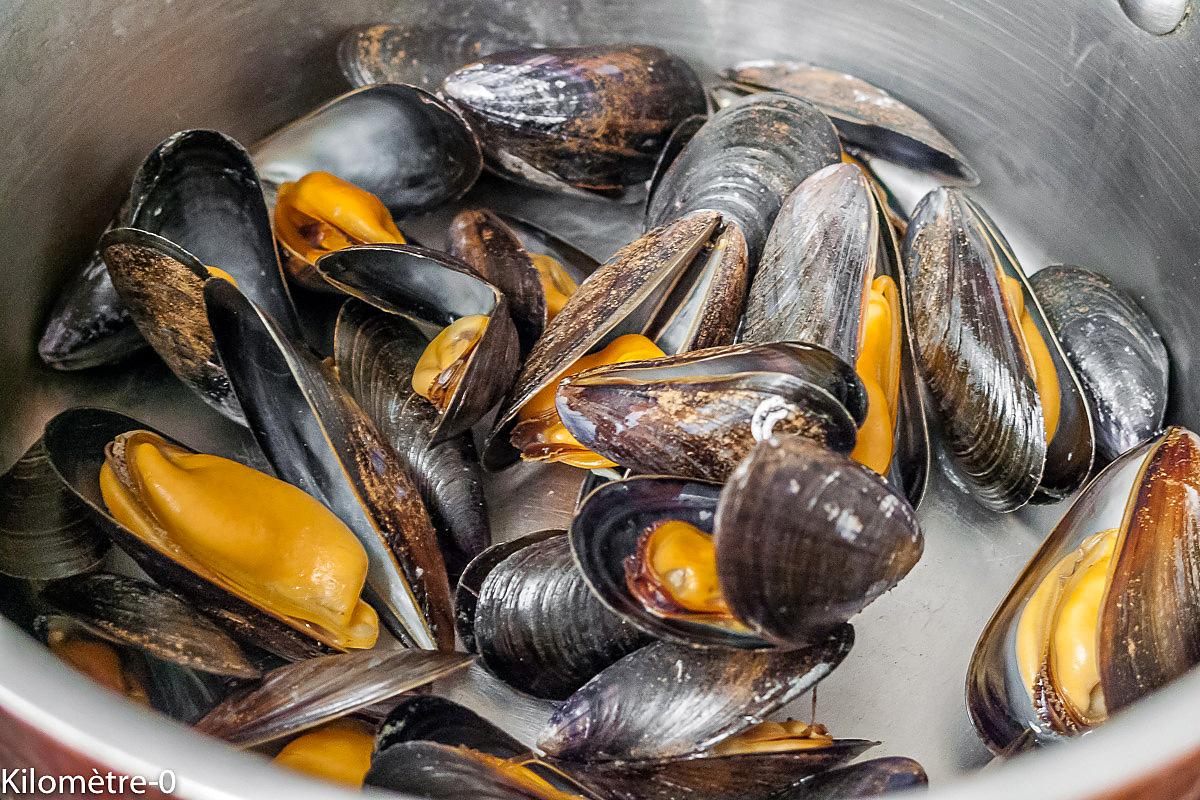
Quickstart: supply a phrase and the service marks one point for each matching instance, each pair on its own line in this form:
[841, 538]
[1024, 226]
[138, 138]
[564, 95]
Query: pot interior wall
[1079, 123]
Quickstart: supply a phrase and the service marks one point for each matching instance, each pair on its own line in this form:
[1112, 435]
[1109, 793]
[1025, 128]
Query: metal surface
[1079, 123]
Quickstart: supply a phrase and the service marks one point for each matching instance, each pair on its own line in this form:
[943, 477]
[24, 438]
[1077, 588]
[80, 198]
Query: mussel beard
[540, 434]
[321, 213]
[265, 540]
[673, 575]
[1058, 637]
[442, 366]
[878, 365]
[1037, 354]
[338, 751]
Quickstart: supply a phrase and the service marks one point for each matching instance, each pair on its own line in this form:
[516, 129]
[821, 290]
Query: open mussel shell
[743, 162]
[75, 442]
[669, 701]
[483, 241]
[807, 538]
[400, 143]
[317, 438]
[436, 289]
[865, 115]
[638, 291]
[592, 118]
[830, 241]
[143, 616]
[1119, 357]
[376, 353]
[420, 55]
[1126, 550]
[973, 360]
[873, 778]
[698, 414]
[297, 697]
[45, 532]
[536, 624]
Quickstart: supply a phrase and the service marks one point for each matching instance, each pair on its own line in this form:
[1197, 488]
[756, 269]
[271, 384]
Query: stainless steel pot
[1079, 119]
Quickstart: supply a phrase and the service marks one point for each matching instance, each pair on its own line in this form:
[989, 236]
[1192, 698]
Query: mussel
[338, 751]
[1118, 355]
[677, 288]
[526, 609]
[1010, 408]
[591, 118]
[420, 55]
[136, 482]
[698, 414]
[376, 354]
[865, 115]
[1108, 609]
[536, 285]
[831, 275]
[400, 143]
[473, 356]
[207, 216]
[315, 436]
[743, 162]
[750, 565]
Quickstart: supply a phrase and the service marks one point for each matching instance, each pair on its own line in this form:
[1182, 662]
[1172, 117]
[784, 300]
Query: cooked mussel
[321, 213]
[544, 246]
[376, 354]
[298, 697]
[1012, 414]
[536, 285]
[110, 666]
[747, 566]
[865, 115]
[1118, 355]
[526, 609]
[317, 437]
[338, 751]
[472, 360]
[677, 288]
[399, 143]
[872, 778]
[698, 414]
[1106, 611]
[206, 212]
[168, 507]
[831, 275]
[743, 162]
[45, 533]
[420, 55]
[591, 118]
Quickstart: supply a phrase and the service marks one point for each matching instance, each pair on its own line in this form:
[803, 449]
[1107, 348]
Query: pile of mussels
[748, 384]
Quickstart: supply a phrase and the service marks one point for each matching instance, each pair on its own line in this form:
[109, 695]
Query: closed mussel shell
[831, 257]
[538, 627]
[318, 438]
[437, 290]
[976, 354]
[668, 701]
[400, 143]
[45, 532]
[420, 55]
[376, 354]
[743, 162]
[698, 414]
[865, 115]
[873, 778]
[839, 537]
[1106, 611]
[592, 118]
[428, 718]
[1118, 355]
[75, 442]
